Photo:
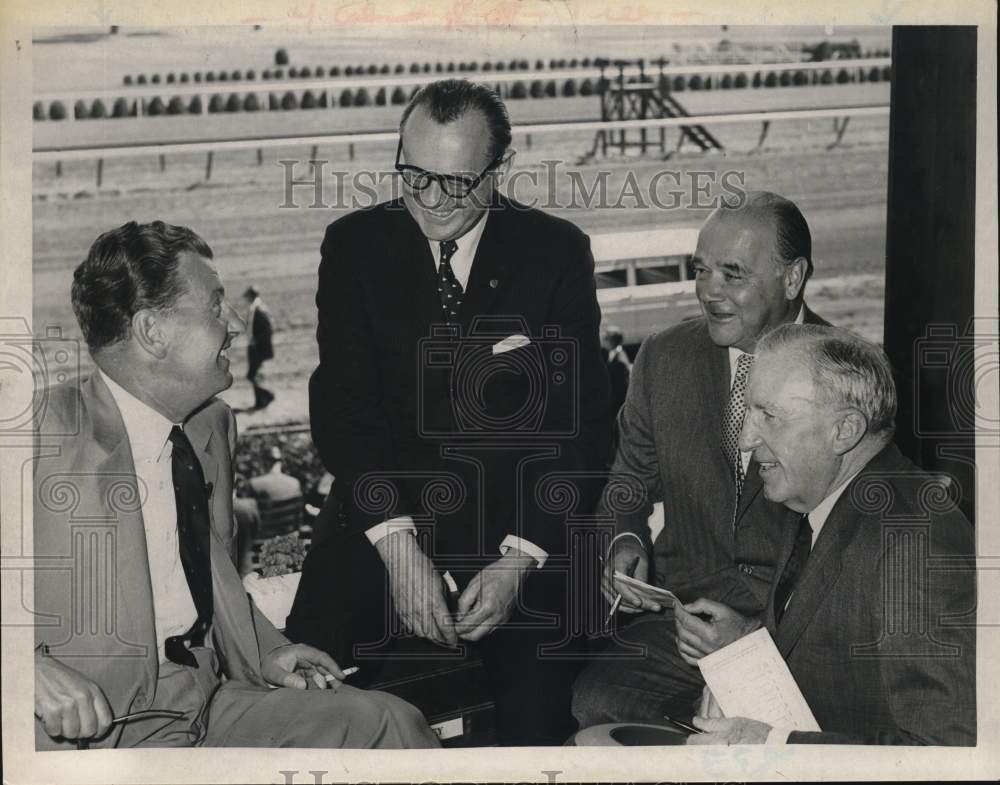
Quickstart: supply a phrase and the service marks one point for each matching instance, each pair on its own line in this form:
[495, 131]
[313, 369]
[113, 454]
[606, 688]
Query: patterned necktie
[449, 289]
[793, 567]
[193, 527]
[732, 423]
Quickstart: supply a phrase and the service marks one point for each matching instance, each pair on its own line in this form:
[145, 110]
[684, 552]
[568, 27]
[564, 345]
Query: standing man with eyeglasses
[460, 376]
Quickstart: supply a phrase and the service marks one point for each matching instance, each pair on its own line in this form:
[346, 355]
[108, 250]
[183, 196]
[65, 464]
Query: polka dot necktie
[732, 423]
[193, 528]
[449, 289]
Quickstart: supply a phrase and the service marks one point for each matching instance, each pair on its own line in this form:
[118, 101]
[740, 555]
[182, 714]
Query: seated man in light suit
[874, 605]
[139, 603]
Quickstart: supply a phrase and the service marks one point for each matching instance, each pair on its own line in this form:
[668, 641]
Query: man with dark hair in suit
[260, 347]
[677, 437]
[460, 375]
[140, 607]
[874, 610]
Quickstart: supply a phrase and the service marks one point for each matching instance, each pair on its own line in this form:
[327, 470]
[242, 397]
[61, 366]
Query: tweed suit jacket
[880, 630]
[93, 598]
[670, 445]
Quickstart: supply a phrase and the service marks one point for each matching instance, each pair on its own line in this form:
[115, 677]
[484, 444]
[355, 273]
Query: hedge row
[282, 70]
[321, 99]
[320, 72]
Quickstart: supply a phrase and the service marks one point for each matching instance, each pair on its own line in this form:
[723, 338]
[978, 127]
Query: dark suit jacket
[880, 630]
[260, 333]
[391, 395]
[670, 442]
[93, 600]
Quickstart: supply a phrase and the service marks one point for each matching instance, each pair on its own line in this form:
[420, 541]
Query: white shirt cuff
[536, 553]
[617, 537]
[778, 736]
[380, 531]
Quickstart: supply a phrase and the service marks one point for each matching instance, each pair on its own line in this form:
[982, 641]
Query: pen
[682, 725]
[618, 597]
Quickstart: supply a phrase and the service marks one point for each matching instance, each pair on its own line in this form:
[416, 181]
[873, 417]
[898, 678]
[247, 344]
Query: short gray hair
[847, 370]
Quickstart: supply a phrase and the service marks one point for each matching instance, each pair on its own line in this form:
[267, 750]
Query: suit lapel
[821, 569]
[406, 245]
[752, 486]
[131, 559]
[490, 267]
[715, 381]
[203, 441]
[232, 623]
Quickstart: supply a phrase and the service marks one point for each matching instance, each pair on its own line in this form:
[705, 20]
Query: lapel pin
[494, 283]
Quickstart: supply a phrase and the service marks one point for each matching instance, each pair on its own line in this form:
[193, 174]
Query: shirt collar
[467, 243]
[147, 429]
[735, 354]
[819, 514]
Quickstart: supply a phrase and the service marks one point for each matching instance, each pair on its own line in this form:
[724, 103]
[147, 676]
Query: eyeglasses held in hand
[83, 744]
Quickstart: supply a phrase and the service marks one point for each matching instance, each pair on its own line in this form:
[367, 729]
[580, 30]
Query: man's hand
[489, 598]
[417, 592]
[737, 730]
[697, 637]
[709, 706]
[68, 703]
[300, 667]
[628, 557]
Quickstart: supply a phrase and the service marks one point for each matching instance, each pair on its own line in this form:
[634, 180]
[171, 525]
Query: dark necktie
[793, 568]
[732, 422]
[193, 528]
[449, 289]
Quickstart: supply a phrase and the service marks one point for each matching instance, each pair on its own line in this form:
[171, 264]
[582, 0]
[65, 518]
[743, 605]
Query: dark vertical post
[930, 248]
[208, 166]
[100, 171]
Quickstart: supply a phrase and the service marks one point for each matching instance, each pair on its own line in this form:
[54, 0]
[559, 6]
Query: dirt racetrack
[842, 192]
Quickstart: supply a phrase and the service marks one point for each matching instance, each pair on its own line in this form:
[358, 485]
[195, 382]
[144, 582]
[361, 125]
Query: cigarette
[347, 672]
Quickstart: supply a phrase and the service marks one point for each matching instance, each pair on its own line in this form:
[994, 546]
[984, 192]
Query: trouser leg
[623, 684]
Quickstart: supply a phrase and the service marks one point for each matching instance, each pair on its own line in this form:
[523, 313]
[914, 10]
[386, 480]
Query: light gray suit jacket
[93, 599]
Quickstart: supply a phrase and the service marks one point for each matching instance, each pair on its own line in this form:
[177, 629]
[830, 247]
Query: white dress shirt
[173, 607]
[461, 260]
[461, 265]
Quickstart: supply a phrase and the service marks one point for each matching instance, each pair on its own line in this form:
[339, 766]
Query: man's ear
[503, 169]
[795, 277]
[150, 332]
[850, 429]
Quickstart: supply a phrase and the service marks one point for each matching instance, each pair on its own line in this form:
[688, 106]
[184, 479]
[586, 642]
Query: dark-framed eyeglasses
[454, 185]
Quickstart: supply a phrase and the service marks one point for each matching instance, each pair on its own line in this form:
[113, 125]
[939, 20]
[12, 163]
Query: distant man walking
[260, 348]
